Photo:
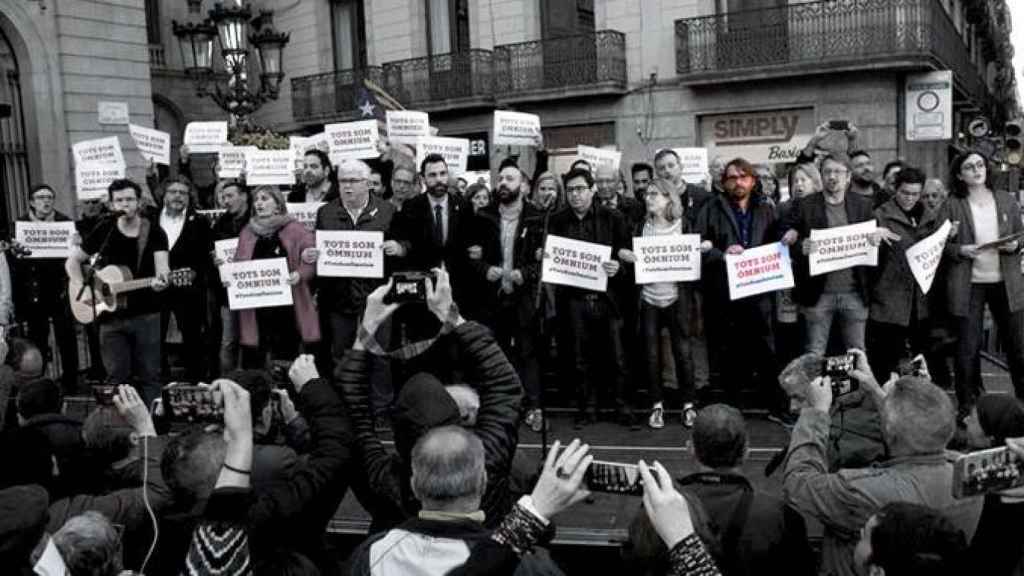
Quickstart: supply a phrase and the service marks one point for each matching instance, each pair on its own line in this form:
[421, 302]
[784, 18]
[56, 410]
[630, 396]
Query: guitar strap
[140, 244]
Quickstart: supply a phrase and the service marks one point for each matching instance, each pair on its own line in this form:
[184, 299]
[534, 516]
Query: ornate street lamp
[227, 79]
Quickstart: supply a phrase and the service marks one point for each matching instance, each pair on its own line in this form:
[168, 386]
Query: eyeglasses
[975, 166]
[577, 189]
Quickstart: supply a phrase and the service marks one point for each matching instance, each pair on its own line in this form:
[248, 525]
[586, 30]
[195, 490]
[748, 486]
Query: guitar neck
[131, 285]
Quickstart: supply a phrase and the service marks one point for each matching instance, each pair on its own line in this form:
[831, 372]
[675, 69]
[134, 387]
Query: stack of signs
[599, 157]
[153, 144]
[97, 163]
[454, 150]
[206, 137]
[407, 126]
[353, 140]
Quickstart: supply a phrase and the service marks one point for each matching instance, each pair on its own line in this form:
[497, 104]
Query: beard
[438, 190]
[863, 180]
[507, 195]
[310, 179]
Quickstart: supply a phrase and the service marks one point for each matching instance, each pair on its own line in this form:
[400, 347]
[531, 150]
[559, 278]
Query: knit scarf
[267, 226]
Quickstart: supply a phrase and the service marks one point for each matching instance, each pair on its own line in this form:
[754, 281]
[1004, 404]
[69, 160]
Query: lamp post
[227, 79]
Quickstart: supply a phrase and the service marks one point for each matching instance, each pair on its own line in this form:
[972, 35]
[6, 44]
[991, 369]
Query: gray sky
[1017, 38]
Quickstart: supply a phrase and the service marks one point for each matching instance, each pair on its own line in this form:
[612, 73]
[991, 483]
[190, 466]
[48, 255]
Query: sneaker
[689, 415]
[657, 418]
[530, 416]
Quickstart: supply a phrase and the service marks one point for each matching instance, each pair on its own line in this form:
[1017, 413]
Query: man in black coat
[740, 329]
[591, 329]
[41, 293]
[190, 241]
[758, 532]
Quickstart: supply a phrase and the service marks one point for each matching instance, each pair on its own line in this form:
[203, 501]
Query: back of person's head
[89, 545]
[917, 417]
[38, 397]
[24, 357]
[448, 468]
[23, 517]
[191, 463]
[912, 540]
[422, 404]
[800, 372]
[107, 435]
[28, 458]
[719, 436]
[1000, 416]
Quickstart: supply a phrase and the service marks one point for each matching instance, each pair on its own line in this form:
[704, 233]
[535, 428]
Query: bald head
[448, 469]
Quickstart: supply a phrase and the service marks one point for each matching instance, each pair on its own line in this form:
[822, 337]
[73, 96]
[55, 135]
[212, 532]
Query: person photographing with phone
[917, 423]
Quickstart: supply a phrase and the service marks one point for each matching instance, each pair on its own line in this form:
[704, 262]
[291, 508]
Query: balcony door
[569, 52]
[348, 26]
[450, 64]
[752, 33]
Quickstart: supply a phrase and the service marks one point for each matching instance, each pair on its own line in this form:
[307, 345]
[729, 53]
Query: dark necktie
[438, 225]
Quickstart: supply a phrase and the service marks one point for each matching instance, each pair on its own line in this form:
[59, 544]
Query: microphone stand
[89, 278]
[537, 301]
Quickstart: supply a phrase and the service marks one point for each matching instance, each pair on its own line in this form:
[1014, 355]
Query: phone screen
[614, 478]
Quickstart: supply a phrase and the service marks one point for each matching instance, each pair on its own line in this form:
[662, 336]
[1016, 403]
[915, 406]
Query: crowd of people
[306, 395]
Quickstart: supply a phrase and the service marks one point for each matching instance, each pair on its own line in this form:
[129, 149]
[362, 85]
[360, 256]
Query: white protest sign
[46, 239]
[348, 254]
[407, 126]
[694, 162]
[574, 263]
[269, 167]
[231, 160]
[92, 180]
[305, 212]
[353, 140]
[112, 112]
[599, 157]
[99, 151]
[225, 251]
[516, 128]
[299, 145]
[152, 144]
[924, 256]
[206, 137]
[257, 283]
[667, 258]
[454, 150]
[843, 247]
[758, 270]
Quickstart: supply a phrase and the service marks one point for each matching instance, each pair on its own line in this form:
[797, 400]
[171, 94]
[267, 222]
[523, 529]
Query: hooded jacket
[424, 404]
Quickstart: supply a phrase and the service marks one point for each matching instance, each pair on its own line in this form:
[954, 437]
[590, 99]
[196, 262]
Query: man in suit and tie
[437, 228]
[190, 243]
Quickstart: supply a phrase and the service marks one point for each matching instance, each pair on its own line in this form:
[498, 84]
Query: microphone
[115, 214]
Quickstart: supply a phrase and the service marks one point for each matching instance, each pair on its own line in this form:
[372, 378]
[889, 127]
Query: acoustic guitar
[111, 285]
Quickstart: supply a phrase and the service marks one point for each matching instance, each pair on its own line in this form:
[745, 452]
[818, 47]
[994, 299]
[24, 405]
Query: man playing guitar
[129, 337]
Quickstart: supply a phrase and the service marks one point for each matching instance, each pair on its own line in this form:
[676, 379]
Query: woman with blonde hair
[665, 305]
[275, 333]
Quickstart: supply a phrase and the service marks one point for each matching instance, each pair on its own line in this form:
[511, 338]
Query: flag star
[367, 108]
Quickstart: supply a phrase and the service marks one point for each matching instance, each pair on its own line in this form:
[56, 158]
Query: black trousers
[518, 340]
[967, 365]
[889, 343]
[189, 309]
[652, 321]
[37, 323]
[741, 347]
[591, 332]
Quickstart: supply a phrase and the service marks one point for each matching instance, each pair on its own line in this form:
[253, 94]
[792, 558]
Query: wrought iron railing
[822, 33]
[157, 59]
[331, 95]
[588, 60]
[438, 80]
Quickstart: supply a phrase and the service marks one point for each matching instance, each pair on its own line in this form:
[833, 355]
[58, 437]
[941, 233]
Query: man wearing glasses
[41, 293]
[839, 296]
[591, 325]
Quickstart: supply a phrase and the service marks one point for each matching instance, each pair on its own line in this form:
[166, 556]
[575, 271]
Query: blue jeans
[131, 352]
[845, 307]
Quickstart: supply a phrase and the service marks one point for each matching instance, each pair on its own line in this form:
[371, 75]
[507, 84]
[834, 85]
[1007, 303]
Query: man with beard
[190, 243]
[40, 293]
[234, 197]
[862, 178]
[642, 174]
[510, 231]
[318, 183]
[591, 329]
[435, 229]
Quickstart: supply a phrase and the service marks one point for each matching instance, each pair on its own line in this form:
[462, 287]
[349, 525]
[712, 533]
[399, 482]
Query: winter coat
[956, 270]
[348, 295]
[717, 223]
[528, 237]
[894, 291]
[295, 238]
[386, 494]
